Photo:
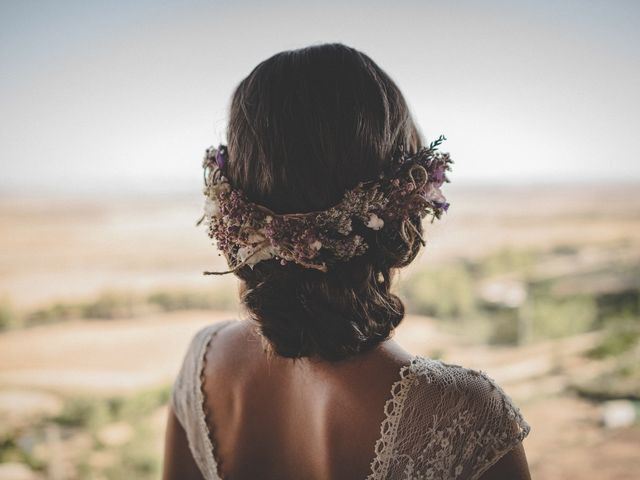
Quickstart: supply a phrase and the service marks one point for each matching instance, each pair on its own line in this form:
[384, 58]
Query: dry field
[57, 248]
[52, 248]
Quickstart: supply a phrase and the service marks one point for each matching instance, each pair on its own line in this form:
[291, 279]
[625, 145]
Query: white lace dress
[441, 421]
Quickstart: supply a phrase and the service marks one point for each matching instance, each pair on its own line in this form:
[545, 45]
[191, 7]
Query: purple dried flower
[221, 157]
[441, 205]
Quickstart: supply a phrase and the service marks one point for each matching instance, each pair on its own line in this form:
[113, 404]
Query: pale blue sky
[128, 94]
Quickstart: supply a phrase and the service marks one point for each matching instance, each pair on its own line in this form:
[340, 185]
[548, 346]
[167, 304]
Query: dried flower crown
[249, 233]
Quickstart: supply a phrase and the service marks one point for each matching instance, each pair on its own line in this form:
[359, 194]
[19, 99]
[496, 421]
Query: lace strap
[499, 424]
[444, 421]
[511, 424]
[393, 408]
[188, 401]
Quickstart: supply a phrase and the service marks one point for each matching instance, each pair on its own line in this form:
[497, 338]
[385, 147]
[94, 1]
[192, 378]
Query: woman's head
[305, 126]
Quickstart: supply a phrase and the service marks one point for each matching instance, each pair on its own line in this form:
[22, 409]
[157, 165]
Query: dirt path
[100, 356]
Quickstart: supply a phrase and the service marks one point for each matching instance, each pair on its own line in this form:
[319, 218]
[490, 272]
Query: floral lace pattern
[444, 422]
[441, 421]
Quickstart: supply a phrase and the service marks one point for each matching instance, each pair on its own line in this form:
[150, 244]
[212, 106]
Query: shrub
[8, 317]
[446, 292]
[552, 318]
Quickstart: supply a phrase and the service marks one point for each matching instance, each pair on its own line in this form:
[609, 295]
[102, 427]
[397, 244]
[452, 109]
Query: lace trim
[205, 431]
[507, 403]
[388, 429]
[514, 413]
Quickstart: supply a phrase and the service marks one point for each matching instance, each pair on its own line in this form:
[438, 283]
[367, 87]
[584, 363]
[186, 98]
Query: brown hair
[305, 126]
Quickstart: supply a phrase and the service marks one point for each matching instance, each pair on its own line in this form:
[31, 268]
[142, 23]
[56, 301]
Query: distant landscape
[537, 285]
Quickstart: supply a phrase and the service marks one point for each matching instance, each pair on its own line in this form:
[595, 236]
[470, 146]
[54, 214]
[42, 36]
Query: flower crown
[249, 233]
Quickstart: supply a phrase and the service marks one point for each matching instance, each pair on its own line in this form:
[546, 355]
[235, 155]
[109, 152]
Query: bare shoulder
[238, 344]
[234, 357]
[235, 344]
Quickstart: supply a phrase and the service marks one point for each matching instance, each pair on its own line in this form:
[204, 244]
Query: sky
[109, 96]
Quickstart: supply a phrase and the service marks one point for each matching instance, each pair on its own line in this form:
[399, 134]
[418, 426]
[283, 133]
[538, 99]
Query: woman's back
[276, 419]
[317, 199]
[295, 420]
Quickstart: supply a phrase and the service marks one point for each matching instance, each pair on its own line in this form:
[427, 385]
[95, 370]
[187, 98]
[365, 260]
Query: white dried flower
[265, 253]
[243, 253]
[255, 238]
[317, 245]
[434, 193]
[211, 207]
[375, 222]
[218, 188]
[252, 256]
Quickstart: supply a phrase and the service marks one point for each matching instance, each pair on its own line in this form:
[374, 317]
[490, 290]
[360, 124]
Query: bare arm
[178, 461]
[513, 465]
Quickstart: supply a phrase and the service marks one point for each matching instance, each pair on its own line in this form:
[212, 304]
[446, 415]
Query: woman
[318, 198]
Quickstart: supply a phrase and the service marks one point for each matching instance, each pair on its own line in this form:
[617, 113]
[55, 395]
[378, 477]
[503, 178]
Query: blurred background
[533, 275]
